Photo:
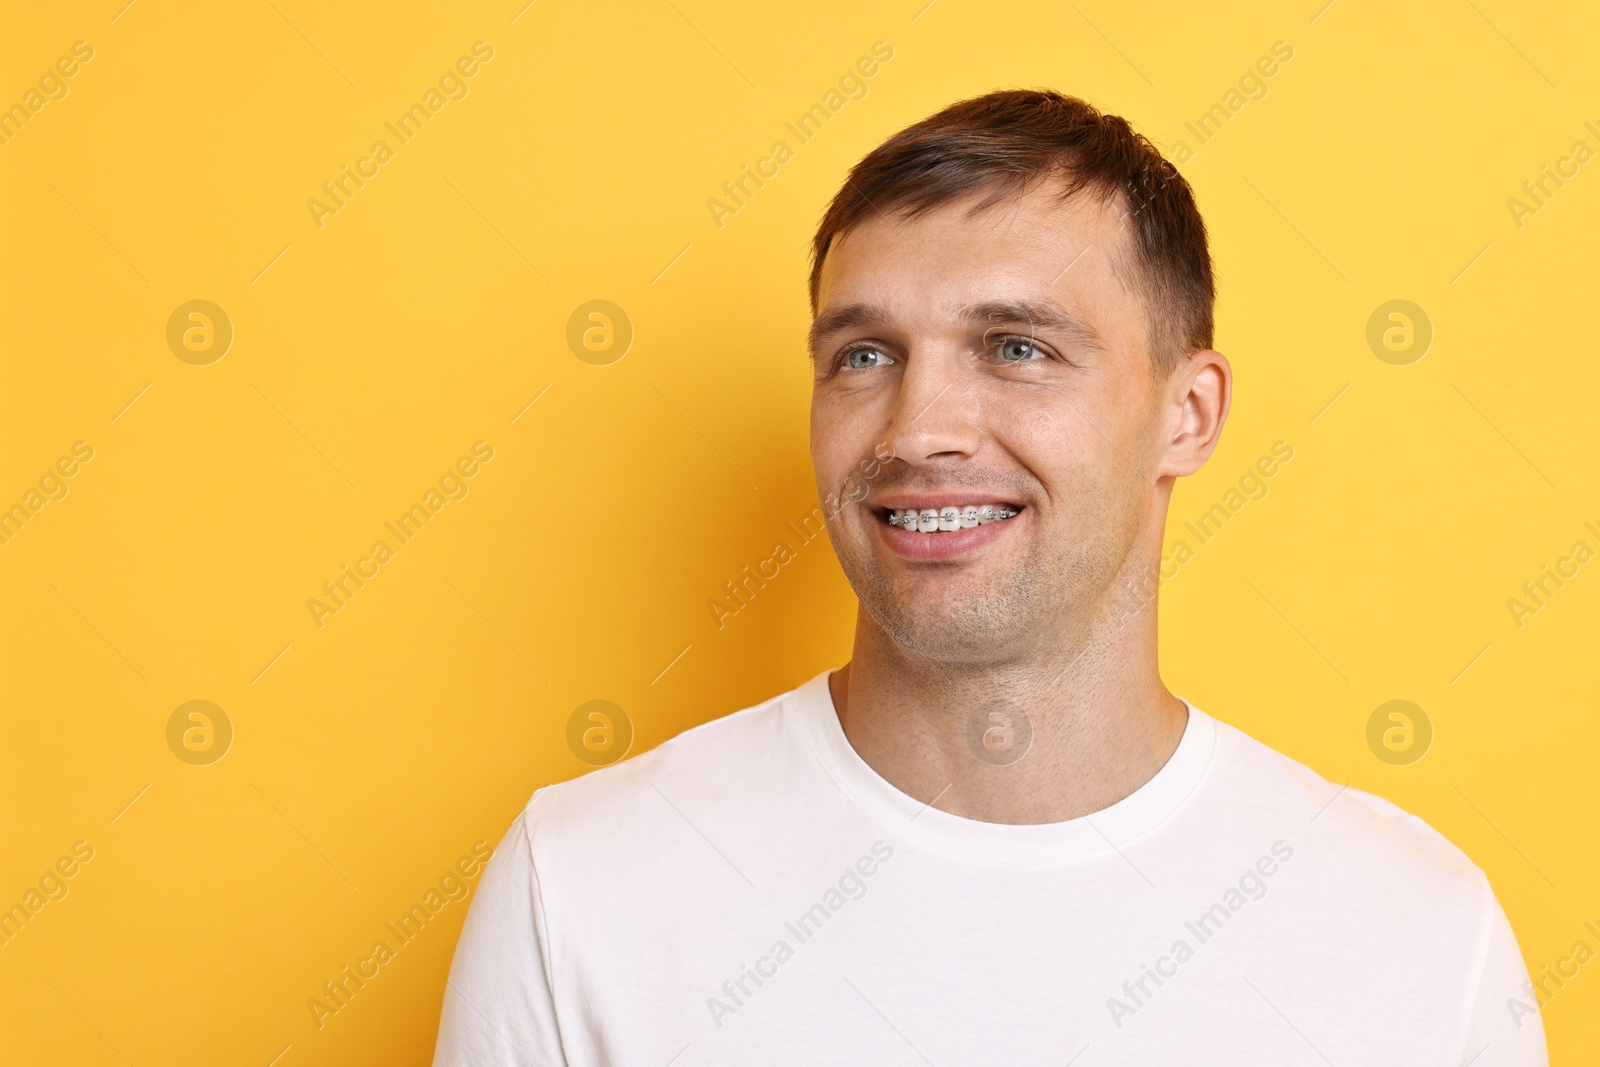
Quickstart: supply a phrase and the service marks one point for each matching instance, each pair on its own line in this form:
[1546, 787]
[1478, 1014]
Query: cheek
[1045, 438]
[843, 430]
[1084, 464]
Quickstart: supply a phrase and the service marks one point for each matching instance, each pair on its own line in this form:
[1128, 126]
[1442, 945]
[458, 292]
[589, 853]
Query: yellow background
[371, 753]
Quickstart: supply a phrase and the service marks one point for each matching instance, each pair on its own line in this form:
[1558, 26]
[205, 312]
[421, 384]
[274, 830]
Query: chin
[986, 615]
[927, 627]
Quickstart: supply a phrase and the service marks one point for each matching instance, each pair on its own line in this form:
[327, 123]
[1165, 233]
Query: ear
[1195, 405]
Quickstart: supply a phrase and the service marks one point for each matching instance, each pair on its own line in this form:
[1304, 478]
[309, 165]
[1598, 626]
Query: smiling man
[994, 836]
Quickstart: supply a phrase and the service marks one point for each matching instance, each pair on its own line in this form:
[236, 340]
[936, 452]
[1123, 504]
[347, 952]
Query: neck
[958, 734]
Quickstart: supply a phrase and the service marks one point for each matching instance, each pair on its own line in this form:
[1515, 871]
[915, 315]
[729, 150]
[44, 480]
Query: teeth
[943, 520]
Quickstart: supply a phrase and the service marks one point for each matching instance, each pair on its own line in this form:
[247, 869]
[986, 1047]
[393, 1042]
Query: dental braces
[931, 520]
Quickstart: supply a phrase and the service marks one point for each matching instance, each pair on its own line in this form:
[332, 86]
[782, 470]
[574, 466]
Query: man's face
[1004, 363]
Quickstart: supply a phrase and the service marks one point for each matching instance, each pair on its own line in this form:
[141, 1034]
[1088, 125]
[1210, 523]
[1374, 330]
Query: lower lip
[947, 544]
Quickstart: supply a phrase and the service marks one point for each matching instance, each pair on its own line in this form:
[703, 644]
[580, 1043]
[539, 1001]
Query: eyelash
[1006, 339]
[843, 359]
[840, 363]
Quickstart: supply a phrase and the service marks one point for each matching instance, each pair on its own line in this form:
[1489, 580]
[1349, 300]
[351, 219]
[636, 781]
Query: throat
[984, 756]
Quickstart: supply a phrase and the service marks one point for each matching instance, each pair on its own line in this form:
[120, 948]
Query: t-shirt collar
[915, 821]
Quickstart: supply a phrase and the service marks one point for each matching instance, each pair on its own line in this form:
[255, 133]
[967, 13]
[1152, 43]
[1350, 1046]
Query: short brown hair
[1002, 143]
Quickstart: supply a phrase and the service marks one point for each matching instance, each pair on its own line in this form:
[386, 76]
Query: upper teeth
[931, 520]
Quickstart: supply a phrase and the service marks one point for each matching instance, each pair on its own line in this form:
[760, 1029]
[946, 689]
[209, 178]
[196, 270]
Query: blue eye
[861, 358]
[1017, 350]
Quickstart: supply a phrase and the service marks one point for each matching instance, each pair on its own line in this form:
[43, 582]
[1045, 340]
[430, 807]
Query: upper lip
[936, 501]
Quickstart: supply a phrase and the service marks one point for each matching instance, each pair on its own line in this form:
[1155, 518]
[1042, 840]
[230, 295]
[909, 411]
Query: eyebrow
[846, 318]
[1037, 315]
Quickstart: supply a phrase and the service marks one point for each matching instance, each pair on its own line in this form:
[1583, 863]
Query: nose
[933, 416]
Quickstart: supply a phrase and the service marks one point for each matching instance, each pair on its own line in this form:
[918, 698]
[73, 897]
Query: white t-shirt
[752, 892]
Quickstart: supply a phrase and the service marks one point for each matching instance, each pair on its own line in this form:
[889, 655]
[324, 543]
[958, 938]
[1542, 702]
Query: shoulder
[726, 763]
[1356, 833]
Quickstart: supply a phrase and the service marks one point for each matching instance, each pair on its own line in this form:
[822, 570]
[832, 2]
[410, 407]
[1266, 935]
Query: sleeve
[1504, 1027]
[499, 1008]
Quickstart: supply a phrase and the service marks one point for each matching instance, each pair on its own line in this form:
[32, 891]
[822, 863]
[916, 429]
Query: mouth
[948, 519]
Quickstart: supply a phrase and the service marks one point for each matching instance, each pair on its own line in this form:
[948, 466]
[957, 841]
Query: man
[993, 837]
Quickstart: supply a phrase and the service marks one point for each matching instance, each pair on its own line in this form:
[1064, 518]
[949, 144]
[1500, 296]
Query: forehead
[1035, 244]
